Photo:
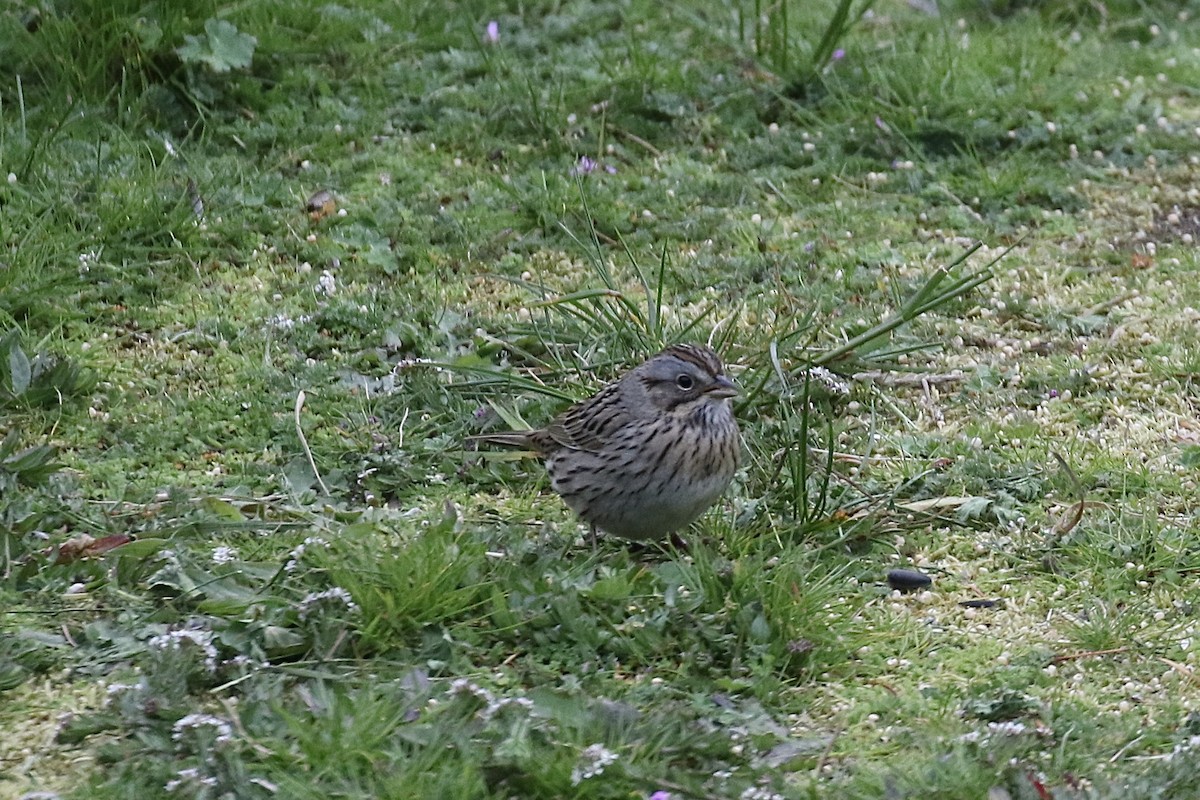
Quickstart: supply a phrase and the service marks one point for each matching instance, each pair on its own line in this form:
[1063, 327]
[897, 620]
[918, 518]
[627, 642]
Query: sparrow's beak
[723, 387]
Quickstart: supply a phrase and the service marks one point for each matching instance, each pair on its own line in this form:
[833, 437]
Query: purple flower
[585, 166]
[839, 54]
[660, 795]
[493, 31]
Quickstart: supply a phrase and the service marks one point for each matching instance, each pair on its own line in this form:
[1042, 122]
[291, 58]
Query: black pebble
[908, 580]
[979, 603]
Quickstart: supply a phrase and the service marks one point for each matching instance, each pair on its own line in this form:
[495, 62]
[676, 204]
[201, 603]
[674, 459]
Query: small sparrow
[648, 453]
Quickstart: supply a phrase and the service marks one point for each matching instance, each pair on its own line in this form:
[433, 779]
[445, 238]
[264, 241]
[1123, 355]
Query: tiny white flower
[592, 761]
[1007, 728]
[186, 775]
[174, 640]
[469, 687]
[223, 554]
[494, 707]
[315, 599]
[293, 562]
[830, 381]
[195, 721]
[326, 284]
[759, 793]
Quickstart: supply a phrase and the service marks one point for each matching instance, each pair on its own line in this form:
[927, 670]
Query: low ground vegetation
[263, 272]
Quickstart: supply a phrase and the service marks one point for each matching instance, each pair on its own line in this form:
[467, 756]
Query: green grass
[189, 601]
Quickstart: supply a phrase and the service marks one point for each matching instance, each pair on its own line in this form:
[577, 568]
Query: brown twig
[883, 378]
[1062, 657]
[337, 643]
[235, 720]
[1067, 524]
[824, 759]
[1182, 669]
[1111, 302]
[633, 137]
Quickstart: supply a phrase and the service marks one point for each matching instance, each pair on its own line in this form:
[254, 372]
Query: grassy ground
[193, 606]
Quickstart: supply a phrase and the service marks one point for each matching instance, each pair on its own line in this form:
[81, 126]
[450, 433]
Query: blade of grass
[927, 298]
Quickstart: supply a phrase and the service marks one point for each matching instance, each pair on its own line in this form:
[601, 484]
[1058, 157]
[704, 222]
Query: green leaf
[228, 598]
[223, 509]
[20, 372]
[31, 466]
[279, 642]
[148, 33]
[140, 549]
[760, 629]
[975, 508]
[614, 587]
[516, 748]
[222, 48]
[502, 614]
[1190, 457]
[512, 418]
[12, 675]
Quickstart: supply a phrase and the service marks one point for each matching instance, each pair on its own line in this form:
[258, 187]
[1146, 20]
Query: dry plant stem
[304, 442]
[1182, 669]
[235, 719]
[1128, 746]
[850, 458]
[1068, 523]
[337, 643]
[400, 428]
[881, 378]
[964, 205]
[1112, 651]
[1110, 303]
[931, 405]
[824, 759]
[633, 137]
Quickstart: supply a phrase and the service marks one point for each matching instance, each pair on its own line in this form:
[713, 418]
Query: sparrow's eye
[685, 382]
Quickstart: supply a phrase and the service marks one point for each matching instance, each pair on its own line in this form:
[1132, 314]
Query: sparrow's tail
[509, 439]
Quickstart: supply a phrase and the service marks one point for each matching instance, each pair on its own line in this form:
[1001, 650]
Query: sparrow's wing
[589, 425]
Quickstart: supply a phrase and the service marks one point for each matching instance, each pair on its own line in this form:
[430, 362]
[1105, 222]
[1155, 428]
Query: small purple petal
[493, 31]
[839, 54]
[660, 795]
[610, 169]
[879, 123]
[585, 166]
